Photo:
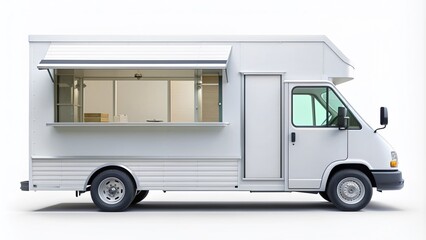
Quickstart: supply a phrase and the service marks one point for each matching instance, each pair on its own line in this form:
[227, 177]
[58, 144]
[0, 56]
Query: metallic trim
[135, 157]
[77, 62]
[286, 140]
[256, 179]
[249, 73]
[50, 75]
[139, 124]
[308, 81]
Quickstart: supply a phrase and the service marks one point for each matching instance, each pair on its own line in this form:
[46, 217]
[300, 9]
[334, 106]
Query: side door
[314, 139]
[262, 127]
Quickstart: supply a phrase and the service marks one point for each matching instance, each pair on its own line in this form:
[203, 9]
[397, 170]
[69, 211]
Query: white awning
[134, 56]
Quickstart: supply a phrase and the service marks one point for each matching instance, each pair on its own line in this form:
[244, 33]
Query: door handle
[293, 137]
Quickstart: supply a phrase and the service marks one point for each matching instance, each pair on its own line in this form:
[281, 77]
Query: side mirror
[342, 118]
[383, 118]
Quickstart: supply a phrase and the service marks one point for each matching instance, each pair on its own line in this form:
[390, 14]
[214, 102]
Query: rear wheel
[112, 191]
[141, 195]
[350, 190]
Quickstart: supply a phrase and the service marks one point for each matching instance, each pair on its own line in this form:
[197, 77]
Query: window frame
[81, 121]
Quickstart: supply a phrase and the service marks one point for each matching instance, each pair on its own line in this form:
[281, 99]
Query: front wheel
[350, 190]
[112, 191]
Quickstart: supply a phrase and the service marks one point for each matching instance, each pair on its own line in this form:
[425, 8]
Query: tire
[112, 191]
[350, 190]
[141, 195]
[325, 196]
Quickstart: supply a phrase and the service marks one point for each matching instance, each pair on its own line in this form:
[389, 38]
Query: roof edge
[174, 38]
[190, 38]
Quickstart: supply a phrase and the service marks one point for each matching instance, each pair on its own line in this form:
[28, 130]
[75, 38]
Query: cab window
[317, 107]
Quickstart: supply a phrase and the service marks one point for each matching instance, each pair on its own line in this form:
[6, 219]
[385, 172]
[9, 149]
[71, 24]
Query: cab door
[315, 141]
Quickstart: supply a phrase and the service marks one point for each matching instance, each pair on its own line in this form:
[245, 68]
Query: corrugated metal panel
[134, 55]
[46, 175]
[195, 174]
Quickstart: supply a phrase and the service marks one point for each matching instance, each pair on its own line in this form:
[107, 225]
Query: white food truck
[122, 115]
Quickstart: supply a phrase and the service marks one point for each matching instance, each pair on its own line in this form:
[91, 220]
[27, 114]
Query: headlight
[394, 161]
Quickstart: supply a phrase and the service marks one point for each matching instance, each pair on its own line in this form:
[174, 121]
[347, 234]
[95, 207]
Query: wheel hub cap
[111, 190]
[350, 190]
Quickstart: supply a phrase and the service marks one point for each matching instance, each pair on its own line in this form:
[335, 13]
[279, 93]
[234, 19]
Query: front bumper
[388, 180]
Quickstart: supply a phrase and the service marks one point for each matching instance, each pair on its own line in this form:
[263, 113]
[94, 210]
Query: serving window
[138, 95]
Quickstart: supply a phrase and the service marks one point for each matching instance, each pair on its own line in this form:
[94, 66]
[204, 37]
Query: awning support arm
[50, 74]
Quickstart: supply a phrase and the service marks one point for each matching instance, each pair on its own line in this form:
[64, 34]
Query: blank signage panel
[263, 127]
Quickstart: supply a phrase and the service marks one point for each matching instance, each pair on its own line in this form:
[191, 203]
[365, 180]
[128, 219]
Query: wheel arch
[356, 165]
[105, 167]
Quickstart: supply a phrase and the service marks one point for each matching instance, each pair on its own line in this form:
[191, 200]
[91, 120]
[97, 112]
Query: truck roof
[192, 39]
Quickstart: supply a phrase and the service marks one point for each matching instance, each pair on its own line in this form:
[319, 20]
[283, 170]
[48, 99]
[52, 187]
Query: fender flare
[332, 165]
[112, 165]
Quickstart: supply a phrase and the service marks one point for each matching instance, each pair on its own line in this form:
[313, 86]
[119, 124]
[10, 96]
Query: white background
[384, 39]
